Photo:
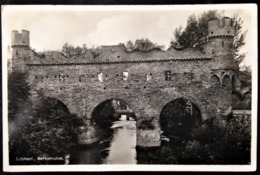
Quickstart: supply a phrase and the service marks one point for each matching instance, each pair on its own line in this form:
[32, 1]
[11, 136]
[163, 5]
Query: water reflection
[118, 148]
[122, 149]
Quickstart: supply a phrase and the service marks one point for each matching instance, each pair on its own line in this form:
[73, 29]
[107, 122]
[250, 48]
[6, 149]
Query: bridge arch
[52, 101]
[126, 98]
[180, 117]
[111, 110]
[190, 98]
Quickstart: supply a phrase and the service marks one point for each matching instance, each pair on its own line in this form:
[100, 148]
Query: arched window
[226, 81]
[215, 81]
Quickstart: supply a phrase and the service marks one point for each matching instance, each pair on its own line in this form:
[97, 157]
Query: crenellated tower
[220, 46]
[220, 42]
[20, 44]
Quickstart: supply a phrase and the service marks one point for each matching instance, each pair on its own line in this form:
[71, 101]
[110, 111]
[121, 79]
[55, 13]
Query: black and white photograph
[126, 88]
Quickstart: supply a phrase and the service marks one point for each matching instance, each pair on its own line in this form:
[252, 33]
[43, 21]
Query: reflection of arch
[215, 80]
[179, 117]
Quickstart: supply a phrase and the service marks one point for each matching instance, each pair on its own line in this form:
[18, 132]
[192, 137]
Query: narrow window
[100, 77]
[80, 78]
[61, 77]
[167, 75]
[148, 77]
[125, 76]
[222, 43]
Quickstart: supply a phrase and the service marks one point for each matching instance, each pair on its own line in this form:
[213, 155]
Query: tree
[78, 50]
[142, 45]
[95, 51]
[197, 29]
[129, 45]
[51, 132]
[18, 93]
[84, 48]
[71, 50]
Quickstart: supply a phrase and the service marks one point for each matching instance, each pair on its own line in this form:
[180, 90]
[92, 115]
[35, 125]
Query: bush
[217, 143]
[51, 132]
[146, 124]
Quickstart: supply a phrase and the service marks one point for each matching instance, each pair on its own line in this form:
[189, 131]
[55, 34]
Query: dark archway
[113, 123]
[109, 111]
[179, 118]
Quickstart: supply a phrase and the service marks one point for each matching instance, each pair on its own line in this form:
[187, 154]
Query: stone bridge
[145, 80]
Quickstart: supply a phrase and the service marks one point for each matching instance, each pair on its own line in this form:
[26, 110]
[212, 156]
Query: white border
[39, 168]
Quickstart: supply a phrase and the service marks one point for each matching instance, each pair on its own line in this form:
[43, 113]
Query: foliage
[71, 50]
[95, 51]
[146, 124]
[178, 117]
[217, 143]
[196, 31]
[142, 45]
[52, 131]
[18, 93]
[193, 35]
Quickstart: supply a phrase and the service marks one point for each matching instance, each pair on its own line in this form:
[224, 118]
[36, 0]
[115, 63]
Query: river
[118, 149]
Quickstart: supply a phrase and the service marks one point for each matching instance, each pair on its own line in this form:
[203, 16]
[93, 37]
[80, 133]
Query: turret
[20, 43]
[20, 39]
[219, 28]
[220, 42]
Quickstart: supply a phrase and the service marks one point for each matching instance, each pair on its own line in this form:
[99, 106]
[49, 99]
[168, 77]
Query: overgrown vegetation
[146, 123]
[217, 143]
[71, 50]
[48, 130]
[193, 36]
[18, 94]
[142, 45]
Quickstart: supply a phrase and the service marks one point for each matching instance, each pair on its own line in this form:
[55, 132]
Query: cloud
[51, 28]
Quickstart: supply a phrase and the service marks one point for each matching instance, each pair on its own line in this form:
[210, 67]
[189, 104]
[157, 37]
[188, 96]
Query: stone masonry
[155, 77]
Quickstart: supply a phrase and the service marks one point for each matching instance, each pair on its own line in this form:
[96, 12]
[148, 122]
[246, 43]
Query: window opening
[125, 76]
[100, 77]
[148, 77]
[167, 75]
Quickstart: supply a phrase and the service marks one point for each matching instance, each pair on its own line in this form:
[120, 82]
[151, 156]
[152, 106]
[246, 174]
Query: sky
[52, 26]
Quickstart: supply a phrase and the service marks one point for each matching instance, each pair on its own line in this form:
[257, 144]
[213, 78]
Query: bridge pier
[148, 129]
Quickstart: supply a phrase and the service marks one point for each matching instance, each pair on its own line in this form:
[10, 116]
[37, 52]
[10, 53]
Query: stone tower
[220, 47]
[20, 43]
[220, 42]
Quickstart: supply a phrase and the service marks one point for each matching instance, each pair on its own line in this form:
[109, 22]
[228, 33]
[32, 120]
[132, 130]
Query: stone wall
[155, 78]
